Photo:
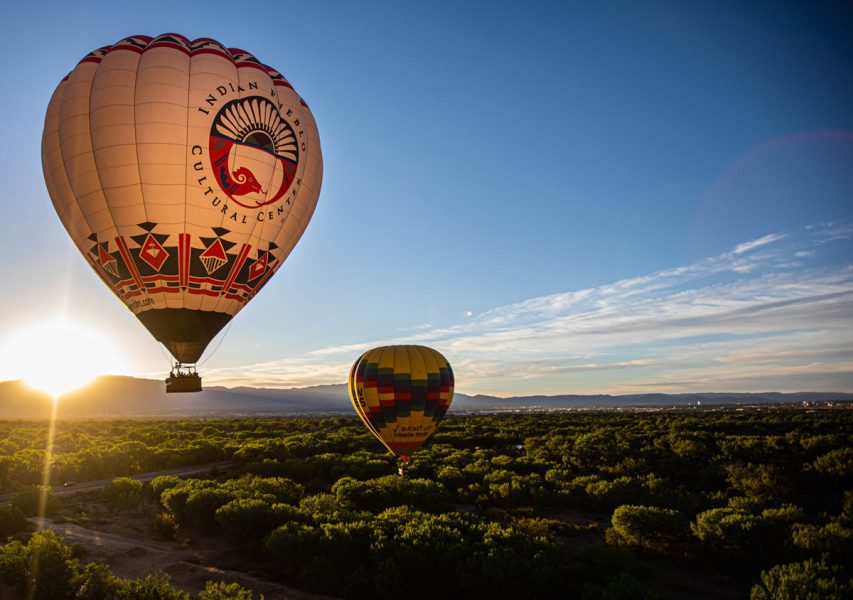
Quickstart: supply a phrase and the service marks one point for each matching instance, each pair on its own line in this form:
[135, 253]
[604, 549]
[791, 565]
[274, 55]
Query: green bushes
[736, 533]
[123, 492]
[44, 569]
[731, 492]
[659, 530]
[250, 519]
[243, 506]
[386, 556]
[12, 520]
[376, 495]
[807, 580]
[225, 591]
[97, 582]
[837, 464]
[150, 587]
[833, 539]
[165, 525]
[35, 500]
[165, 482]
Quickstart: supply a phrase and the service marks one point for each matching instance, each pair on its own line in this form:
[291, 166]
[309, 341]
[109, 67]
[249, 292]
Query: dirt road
[87, 486]
[132, 558]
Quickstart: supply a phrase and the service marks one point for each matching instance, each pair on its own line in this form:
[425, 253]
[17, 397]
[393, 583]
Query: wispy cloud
[769, 314]
[762, 241]
[832, 231]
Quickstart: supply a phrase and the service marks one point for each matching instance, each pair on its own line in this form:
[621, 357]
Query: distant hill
[606, 401]
[114, 396]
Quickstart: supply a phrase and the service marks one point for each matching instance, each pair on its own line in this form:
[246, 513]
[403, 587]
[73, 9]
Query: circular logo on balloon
[253, 151]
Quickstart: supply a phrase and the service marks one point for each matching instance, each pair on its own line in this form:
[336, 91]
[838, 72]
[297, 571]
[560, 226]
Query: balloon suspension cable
[218, 344]
[166, 355]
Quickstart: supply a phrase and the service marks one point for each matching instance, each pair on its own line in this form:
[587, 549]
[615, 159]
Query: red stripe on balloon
[270, 271]
[184, 258]
[171, 45]
[159, 277]
[235, 269]
[130, 47]
[128, 260]
[212, 51]
[254, 65]
[242, 299]
[209, 280]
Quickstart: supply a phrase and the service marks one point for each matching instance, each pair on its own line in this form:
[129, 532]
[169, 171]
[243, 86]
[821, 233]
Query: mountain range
[118, 396]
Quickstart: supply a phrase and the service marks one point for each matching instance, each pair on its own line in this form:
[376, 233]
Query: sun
[57, 357]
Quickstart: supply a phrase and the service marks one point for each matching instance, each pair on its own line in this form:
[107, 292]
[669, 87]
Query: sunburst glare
[57, 357]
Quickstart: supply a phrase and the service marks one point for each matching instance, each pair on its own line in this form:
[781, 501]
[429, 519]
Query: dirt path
[71, 488]
[131, 558]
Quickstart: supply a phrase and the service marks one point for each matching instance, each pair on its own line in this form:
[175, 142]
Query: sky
[563, 197]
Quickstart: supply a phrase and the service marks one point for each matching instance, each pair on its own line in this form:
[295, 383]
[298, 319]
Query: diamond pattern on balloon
[213, 257]
[153, 252]
[108, 262]
[259, 266]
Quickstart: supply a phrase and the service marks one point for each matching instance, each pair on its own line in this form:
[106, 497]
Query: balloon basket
[403, 466]
[182, 380]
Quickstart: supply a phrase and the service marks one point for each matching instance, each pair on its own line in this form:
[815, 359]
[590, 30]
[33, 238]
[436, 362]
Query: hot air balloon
[185, 172]
[401, 393]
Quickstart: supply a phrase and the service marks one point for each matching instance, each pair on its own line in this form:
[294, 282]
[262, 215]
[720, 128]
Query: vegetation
[608, 505]
[44, 569]
[123, 492]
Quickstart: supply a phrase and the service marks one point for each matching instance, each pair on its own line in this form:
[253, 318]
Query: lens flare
[57, 357]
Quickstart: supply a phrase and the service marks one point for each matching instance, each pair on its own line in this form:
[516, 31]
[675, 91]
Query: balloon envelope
[401, 393]
[185, 172]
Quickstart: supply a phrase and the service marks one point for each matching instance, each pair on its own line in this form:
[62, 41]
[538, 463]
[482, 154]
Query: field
[671, 504]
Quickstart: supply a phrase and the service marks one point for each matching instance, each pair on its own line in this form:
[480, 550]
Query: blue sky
[624, 197]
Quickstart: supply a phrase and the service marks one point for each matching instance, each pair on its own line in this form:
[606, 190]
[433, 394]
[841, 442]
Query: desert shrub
[834, 539]
[807, 580]
[97, 582]
[152, 587]
[175, 498]
[161, 484]
[13, 565]
[201, 506]
[50, 569]
[218, 590]
[659, 530]
[837, 463]
[123, 492]
[29, 500]
[376, 495]
[248, 519]
[165, 525]
[12, 520]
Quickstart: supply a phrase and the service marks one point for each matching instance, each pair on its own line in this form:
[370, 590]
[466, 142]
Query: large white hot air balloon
[185, 172]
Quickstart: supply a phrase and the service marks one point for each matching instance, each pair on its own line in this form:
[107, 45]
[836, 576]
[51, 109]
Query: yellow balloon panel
[401, 393]
[185, 172]
[355, 386]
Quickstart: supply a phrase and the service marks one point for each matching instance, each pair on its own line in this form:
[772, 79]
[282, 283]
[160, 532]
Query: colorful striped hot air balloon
[401, 393]
[185, 172]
